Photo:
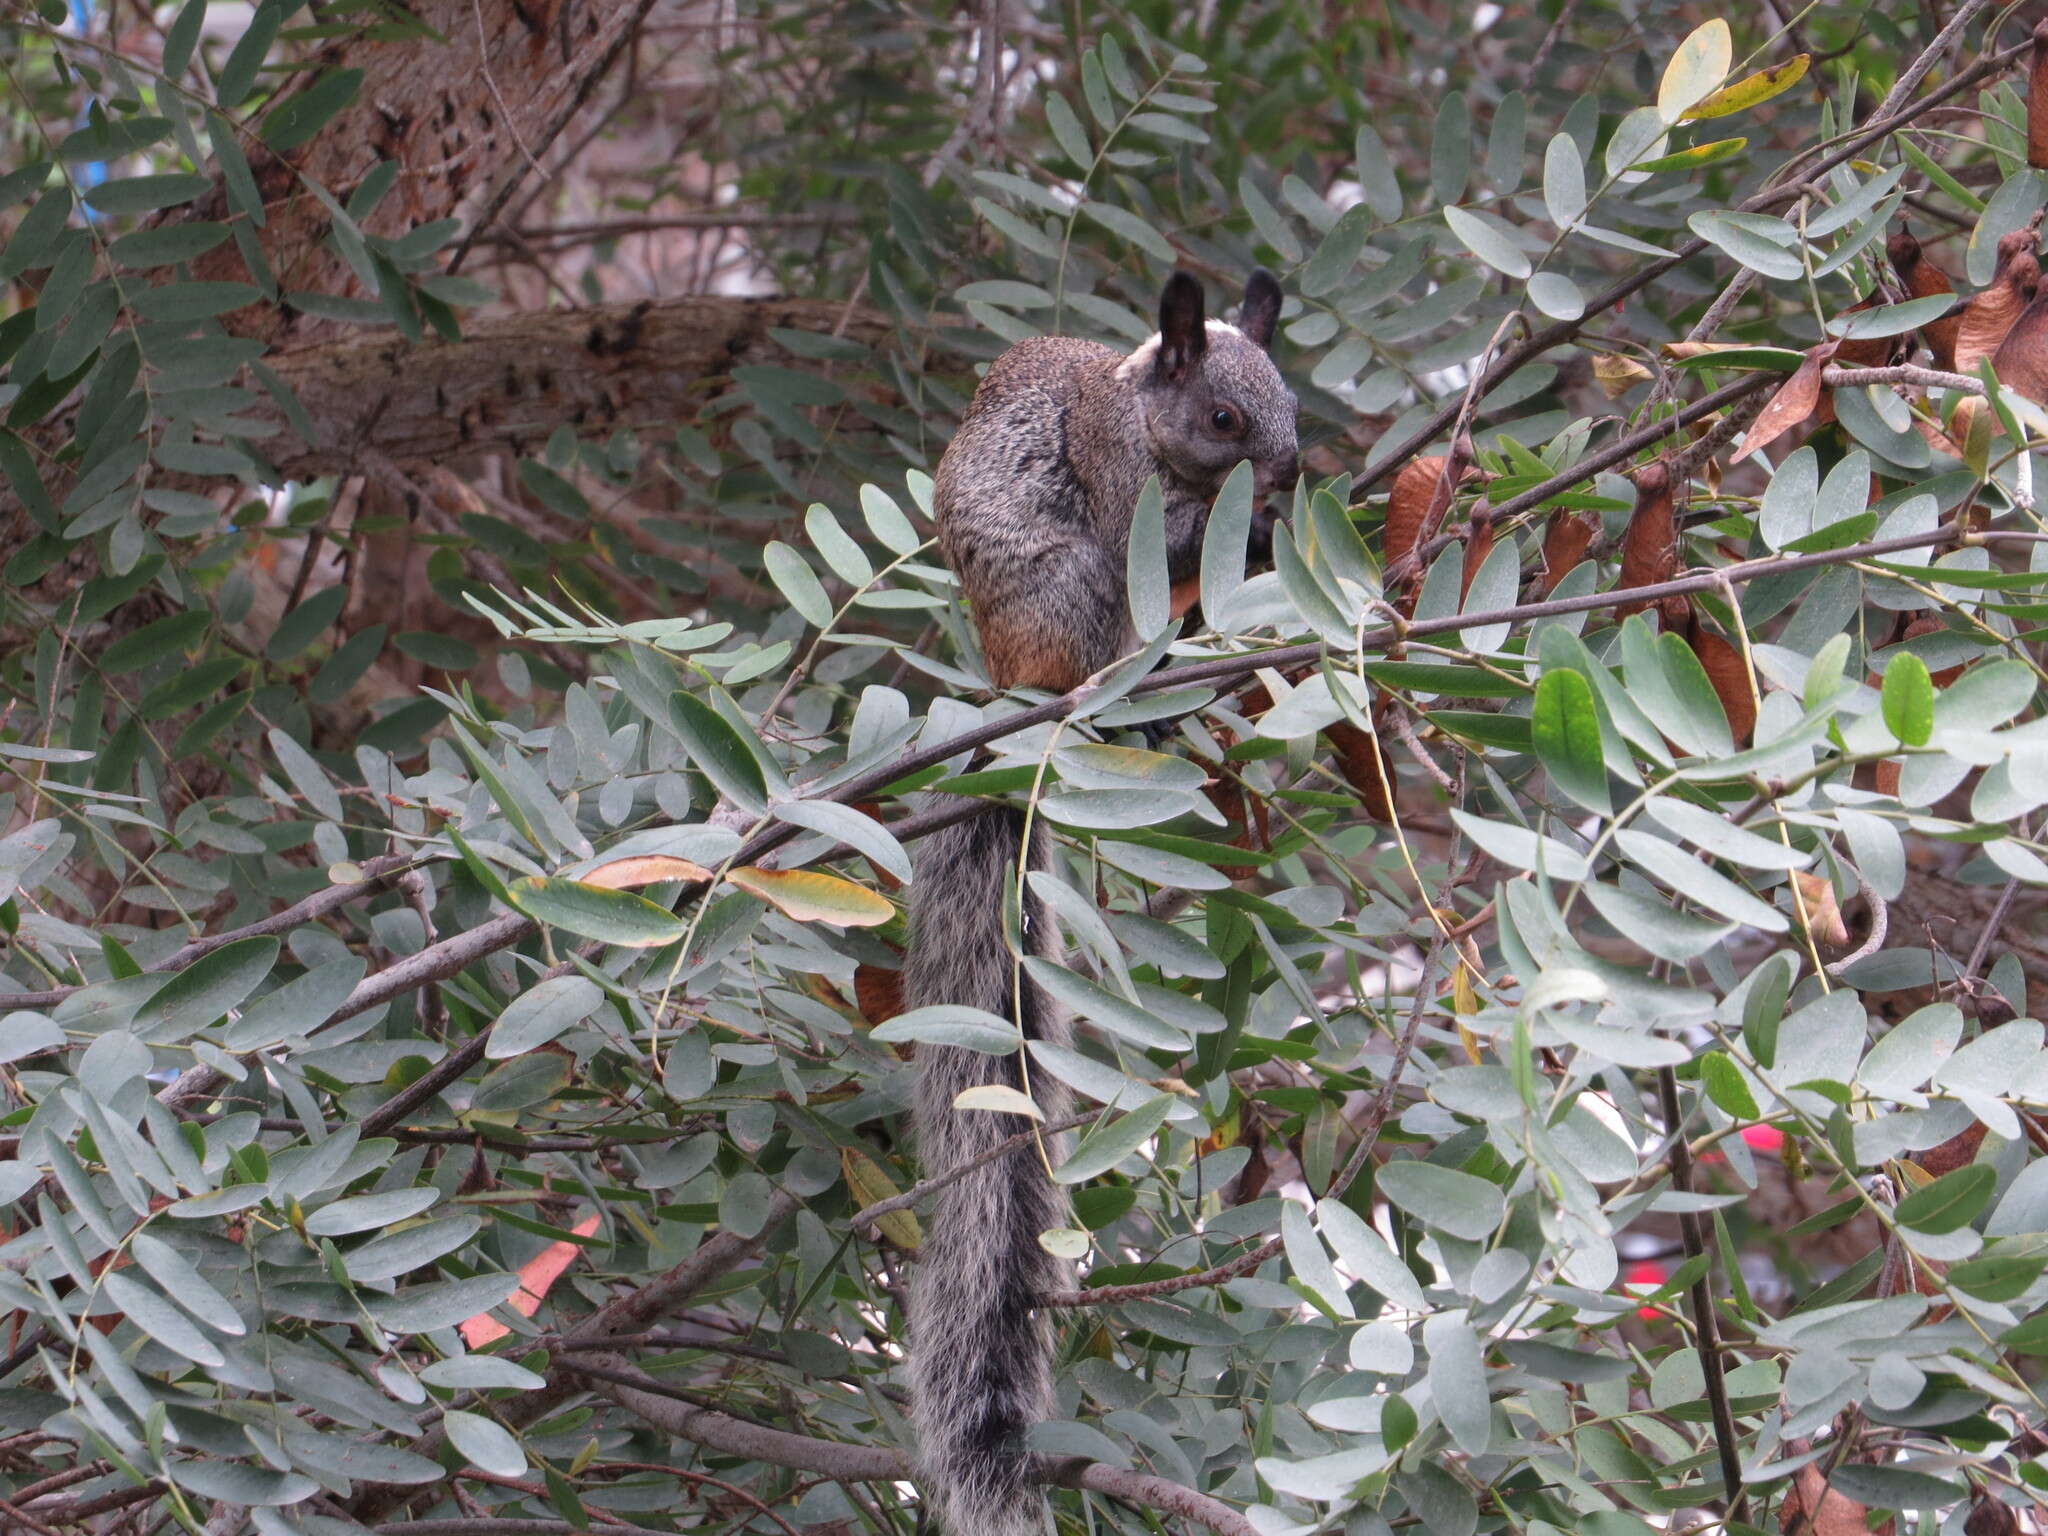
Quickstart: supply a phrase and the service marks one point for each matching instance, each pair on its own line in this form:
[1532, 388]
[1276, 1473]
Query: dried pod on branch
[1363, 762]
[1992, 312]
[1923, 279]
[1478, 545]
[1649, 547]
[1723, 664]
[2021, 361]
[1566, 538]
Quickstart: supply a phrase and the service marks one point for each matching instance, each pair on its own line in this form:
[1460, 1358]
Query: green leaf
[307, 776]
[294, 121]
[142, 194]
[1759, 241]
[1891, 319]
[1224, 542]
[1490, 238]
[167, 244]
[1464, 1206]
[546, 1009]
[595, 911]
[716, 747]
[1148, 587]
[1333, 260]
[1067, 131]
[1565, 729]
[1908, 699]
[1106, 1146]
[1128, 226]
[798, 583]
[1950, 1201]
[1725, 1086]
[160, 1320]
[174, 635]
[207, 988]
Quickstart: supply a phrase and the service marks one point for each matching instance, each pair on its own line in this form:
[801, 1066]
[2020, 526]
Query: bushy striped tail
[981, 1349]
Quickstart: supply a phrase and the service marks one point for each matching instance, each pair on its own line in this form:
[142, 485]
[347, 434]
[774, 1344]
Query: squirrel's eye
[1223, 419]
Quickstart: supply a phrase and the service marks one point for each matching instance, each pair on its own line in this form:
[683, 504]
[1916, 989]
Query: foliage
[457, 1100]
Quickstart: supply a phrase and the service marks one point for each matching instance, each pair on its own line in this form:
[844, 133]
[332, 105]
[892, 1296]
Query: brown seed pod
[877, 993]
[1992, 312]
[1364, 765]
[1958, 1151]
[1868, 351]
[1478, 545]
[1722, 663]
[1231, 801]
[1566, 538]
[2021, 361]
[1930, 626]
[1886, 778]
[1649, 547]
[2037, 121]
[1923, 279]
[1415, 487]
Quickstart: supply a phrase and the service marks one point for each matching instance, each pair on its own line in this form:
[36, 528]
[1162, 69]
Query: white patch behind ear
[1148, 349]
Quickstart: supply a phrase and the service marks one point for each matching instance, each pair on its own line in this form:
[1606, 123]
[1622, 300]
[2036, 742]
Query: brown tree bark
[454, 118]
[513, 378]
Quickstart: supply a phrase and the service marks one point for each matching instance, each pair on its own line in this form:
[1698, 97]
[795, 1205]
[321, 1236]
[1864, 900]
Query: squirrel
[1033, 500]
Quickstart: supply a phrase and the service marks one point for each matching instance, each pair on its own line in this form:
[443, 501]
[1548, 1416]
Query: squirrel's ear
[1261, 312]
[1183, 331]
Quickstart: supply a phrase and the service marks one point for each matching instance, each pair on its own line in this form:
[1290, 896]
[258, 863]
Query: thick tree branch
[514, 378]
[641, 1394]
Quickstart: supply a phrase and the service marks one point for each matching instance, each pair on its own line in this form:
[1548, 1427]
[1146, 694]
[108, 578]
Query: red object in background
[1646, 1272]
[1760, 1138]
[1765, 1138]
[536, 1275]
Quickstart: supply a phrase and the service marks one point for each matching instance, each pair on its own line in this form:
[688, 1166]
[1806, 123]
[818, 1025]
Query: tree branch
[640, 1394]
[514, 378]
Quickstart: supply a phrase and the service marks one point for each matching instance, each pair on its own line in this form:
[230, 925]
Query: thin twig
[1726, 1443]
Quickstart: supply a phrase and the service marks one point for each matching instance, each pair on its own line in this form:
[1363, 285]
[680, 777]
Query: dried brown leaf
[643, 869]
[1791, 405]
[1617, 375]
[1408, 507]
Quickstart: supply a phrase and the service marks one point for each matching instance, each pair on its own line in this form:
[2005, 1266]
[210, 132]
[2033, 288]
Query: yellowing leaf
[810, 897]
[647, 869]
[1701, 63]
[1692, 159]
[1000, 1097]
[870, 1184]
[1617, 375]
[1751, 90]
